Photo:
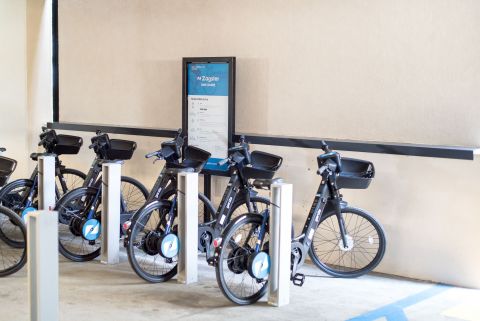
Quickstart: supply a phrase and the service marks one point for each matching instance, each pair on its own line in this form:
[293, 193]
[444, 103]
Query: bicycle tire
[337, 263]
[72, 252]
[20, 253]
[230, 261]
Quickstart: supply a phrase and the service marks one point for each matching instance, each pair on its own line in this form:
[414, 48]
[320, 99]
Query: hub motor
[150, 243]
[76, 226]
[238, 260]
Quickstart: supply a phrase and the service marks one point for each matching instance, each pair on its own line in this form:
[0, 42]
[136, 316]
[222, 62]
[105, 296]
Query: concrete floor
[92, 291]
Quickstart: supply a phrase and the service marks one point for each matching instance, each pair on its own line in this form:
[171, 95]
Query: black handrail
[452, 152]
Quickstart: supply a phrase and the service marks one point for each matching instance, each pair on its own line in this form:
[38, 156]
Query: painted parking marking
[395, 311]
[465, 311]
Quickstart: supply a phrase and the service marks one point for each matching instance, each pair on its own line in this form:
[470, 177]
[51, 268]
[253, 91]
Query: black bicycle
[79, 211]
[152, 244]
[342, 241]
[21, 195]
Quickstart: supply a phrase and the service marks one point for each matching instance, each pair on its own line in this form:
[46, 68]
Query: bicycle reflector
[217, 242]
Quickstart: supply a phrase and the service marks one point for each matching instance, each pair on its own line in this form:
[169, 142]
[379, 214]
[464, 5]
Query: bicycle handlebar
[333, 156]
[325, 147]
[157, 153]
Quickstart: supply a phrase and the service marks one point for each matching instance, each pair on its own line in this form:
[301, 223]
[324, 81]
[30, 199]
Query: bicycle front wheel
[12, 258]
[73, 210]
[235, 260]
[361, 253]
[144, 241]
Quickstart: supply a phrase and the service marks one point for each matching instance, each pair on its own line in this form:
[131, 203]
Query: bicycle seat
[34, 156]
[264, 183]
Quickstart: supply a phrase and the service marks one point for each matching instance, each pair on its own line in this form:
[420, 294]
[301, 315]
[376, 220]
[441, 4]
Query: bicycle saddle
[264, 183]
[34, 156]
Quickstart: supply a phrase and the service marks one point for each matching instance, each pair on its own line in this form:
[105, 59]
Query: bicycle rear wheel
[235, 259]
[148, 226]
[73, 179]
[144, 241]
[12, 258]
[362, 252]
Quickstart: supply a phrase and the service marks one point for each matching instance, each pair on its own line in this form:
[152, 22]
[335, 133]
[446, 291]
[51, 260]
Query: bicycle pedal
[298, 279]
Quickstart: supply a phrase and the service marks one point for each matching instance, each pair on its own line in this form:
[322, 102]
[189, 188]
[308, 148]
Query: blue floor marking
[394, 311]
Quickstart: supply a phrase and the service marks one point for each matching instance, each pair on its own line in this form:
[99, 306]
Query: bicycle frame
[327, 195]
[28, 198]
[92, 180]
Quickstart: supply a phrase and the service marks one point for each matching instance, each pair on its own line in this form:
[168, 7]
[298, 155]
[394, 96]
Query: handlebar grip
[325, 147]
[91, 146]
[3, 149]
[149, 155]
[235, 149]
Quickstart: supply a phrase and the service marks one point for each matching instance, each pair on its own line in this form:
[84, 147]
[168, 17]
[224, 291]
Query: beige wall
[13, 81]
[39, 66]
[25, 77]
[403, 71]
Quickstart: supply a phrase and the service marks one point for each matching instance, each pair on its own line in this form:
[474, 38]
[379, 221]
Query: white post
[188, 227]
[46, 182]
[110, 227]
[280, 244]
[42, 256]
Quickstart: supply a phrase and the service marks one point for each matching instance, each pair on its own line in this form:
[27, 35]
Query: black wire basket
[194, 157]
[67, 144]
[355, 174]
[7, 167]
[119, 149]
[263, 166]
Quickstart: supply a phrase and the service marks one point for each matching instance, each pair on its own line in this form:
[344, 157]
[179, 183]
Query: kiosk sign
[208, 109]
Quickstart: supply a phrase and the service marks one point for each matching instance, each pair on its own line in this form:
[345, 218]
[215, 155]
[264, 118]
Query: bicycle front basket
[264, 165]
[120, 149]
[67, 144]
[195, 158]
[356, 174]
[7, 166]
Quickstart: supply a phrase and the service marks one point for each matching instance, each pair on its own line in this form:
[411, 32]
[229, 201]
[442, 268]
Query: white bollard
[46, 182]
[110, 227]
[188, 227]
[280, 244]
[42, 257]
